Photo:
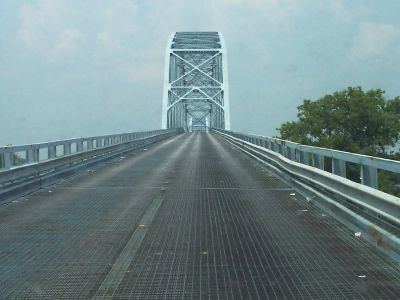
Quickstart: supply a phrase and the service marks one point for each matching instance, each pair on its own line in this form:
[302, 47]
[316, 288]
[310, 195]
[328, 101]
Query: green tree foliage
[351, 120]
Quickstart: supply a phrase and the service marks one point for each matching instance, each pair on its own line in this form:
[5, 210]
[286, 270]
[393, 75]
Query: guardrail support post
[280, 149]
[318, 161]
[79, 146]
[8, 159]
[303, 157]
[32, 155]
[290, 153]
[67, 148]
[339, 167]
[274, 146]
[51, 151]
[263, 143]
[369, 176]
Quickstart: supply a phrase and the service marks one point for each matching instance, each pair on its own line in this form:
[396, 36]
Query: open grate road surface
[188, 218]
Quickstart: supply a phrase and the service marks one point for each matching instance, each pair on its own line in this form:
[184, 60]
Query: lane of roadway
[191, 217]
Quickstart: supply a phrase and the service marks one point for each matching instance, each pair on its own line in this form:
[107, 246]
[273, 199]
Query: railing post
[280, 148]
[318, 161]
[274, 146]
[67, 148]
[339, 167]
[263, 143]
[79, 145]
[369, 176]
[8, 159]
[32, 155]
[90, 144]
[290, 153]
[51, 151]
[303, 157]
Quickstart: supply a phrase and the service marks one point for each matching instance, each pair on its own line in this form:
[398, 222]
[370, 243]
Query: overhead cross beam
[196, 81]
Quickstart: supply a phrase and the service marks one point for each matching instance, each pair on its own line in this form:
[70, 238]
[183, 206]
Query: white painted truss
[196, 95]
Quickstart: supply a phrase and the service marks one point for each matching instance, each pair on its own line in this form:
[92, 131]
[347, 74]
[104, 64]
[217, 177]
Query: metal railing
[363, 208]
[19, 155]
[48, 163]
[289, 158]
[315, 156]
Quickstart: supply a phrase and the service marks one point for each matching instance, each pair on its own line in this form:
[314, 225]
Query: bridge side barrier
[286, 156]
[304, 154]
[33, 153]
[16, 181]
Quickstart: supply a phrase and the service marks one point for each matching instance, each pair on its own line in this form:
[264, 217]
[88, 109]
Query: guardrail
[315, 156]
[65, 157]
[12, 156]
[372, 214]
[290, 157]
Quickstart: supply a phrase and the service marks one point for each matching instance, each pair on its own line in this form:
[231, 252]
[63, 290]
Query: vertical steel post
[303, 157]
[339, 167]
[318, 161]
[290, 153]
[67, 148]
[8, 161]
[369, 176]
[79, 145]
[90, 144]
[32, 154]
[51, 151]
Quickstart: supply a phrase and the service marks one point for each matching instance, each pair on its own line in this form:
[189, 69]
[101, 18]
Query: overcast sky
[71, 68]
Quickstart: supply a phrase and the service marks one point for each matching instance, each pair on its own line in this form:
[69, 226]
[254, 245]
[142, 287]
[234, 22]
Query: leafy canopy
[350, 120]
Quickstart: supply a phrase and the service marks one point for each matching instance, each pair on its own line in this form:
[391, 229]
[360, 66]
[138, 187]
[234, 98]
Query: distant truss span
[196, 95]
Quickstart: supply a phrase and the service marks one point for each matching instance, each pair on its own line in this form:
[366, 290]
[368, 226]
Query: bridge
[194, 210]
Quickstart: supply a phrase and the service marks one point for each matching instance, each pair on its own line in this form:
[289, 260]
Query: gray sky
[72, 68]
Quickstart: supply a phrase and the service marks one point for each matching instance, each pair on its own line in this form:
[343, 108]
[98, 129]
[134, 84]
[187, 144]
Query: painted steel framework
[196, 95]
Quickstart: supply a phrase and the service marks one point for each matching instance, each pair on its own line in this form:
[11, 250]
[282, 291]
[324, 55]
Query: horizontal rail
[382, 205]
[19, 155]
[21, 180]
[305, 154]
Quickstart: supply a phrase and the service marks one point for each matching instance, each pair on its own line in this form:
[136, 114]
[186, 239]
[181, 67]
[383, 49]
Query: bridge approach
[195, 211]
[187, 217]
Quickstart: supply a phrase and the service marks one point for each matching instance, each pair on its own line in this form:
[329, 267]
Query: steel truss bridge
[177, 214]
[196, 82]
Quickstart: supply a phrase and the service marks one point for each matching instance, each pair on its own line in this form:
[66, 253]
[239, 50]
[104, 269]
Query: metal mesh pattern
[225, 229]
[196, 95]
[61, 242]
[195, 40]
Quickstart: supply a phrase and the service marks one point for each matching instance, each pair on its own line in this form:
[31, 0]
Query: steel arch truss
[196, 94]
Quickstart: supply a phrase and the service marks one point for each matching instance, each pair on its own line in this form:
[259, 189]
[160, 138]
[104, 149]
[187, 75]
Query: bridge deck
[188, 218]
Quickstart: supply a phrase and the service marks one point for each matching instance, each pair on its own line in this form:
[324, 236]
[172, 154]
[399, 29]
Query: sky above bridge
[72, 68]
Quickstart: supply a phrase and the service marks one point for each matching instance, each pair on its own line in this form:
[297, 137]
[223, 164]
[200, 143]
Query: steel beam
[195, 82]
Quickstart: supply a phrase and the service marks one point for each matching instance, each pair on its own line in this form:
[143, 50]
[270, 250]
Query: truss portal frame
[196, 95]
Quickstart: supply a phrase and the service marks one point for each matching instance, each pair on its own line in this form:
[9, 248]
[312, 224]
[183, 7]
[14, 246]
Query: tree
[351, 120]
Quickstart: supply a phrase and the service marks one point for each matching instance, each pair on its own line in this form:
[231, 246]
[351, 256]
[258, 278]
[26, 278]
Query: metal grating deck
[215, 225]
